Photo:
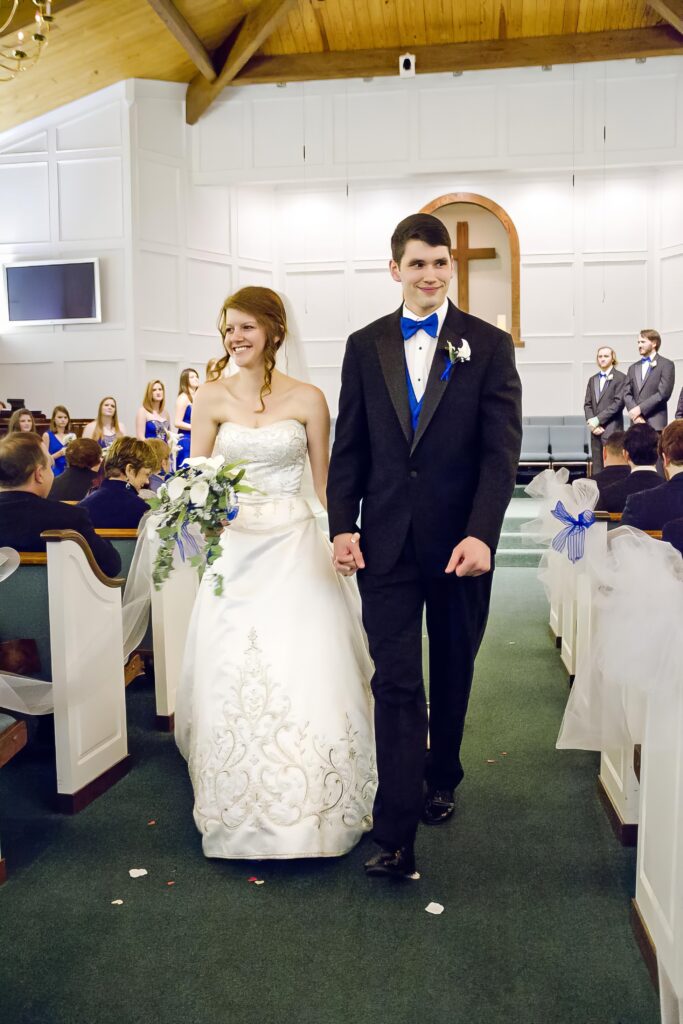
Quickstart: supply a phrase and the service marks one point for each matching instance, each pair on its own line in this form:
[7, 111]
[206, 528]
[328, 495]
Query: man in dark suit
[651, 510]
[673, 534]
[428, 440]
[649, 383]
[25, 481]
[616, 466]
[679, 407]
[604, 403]
[640, 451]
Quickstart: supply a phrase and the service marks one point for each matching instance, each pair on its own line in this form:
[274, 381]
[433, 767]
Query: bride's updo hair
[268, 310]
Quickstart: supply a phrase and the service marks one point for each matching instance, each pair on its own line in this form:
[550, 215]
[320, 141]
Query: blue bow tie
[646, 359]
[603, 374]
[410, 327]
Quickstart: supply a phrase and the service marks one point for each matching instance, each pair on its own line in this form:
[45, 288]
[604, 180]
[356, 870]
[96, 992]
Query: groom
[428, 440]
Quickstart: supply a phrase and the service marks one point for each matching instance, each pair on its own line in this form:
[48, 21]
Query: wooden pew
[13, 736]
[74, 613]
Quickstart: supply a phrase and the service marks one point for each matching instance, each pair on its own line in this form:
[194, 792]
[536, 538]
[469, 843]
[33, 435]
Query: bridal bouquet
[202, 494]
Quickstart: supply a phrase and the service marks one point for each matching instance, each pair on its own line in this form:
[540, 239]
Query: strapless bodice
[275, 455]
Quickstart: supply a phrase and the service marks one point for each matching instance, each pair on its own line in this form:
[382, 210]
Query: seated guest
[162, 453]
[616, 466]
[640, 449]
[116, 504]
[57, 437]
[673, 534]
[25, 480]
[83, 459]
[651, 510]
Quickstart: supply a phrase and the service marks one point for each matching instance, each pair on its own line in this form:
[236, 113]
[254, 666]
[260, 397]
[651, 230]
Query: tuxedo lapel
[608, 385]
[391, 351]
[436, 387]
[596, 388]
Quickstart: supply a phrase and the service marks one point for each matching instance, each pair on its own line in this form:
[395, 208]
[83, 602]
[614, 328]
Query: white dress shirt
[420, 350]
[644, 367]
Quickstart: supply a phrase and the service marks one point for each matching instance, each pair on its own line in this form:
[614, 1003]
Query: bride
[273, 711]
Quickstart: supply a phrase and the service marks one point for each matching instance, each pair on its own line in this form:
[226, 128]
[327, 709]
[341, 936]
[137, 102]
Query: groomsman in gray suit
[649, 383]
[604, 403]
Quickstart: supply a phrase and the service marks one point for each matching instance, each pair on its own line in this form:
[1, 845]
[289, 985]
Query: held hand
[471, 557]
[641, 419]
[634, 413]
[347, 556]
[598, 431]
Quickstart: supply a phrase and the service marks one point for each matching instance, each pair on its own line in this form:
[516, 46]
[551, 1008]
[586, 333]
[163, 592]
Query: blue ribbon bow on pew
[573, 536]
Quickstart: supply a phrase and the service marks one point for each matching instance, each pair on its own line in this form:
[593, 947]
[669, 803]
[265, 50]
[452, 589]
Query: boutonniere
[454, 355]
[610, 376]
[653, 364]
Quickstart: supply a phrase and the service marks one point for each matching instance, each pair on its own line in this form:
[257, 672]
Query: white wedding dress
[273, 711]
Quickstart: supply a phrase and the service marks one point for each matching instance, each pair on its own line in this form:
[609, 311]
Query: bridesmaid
[106, 427]
[152, 419]
[189, 382]
[57, 436]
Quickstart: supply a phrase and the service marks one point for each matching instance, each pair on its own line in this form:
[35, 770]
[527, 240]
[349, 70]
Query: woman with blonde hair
[189, 382]
[296, 779]
[116, 503]
[152, 419]
[105, 428]
[57, 437]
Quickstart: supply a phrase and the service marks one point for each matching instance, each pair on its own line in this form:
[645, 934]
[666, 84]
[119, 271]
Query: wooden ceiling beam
[253, 32]
[670, 10]
[183, 32]
[661, 40]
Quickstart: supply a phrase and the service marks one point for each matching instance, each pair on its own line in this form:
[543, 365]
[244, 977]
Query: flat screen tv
[52, 292]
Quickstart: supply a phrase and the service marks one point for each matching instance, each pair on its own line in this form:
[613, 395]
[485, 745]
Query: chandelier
[23, 48]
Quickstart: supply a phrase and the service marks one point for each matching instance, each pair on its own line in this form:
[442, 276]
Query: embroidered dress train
[273, 711]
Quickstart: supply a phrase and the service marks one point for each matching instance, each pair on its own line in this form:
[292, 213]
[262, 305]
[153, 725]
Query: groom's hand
[347, 556]
[471, 557]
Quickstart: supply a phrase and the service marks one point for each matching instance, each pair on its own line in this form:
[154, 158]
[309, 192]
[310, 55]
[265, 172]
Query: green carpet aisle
[535, 888]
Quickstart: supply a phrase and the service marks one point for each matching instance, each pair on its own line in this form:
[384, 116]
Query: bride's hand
[347, 556]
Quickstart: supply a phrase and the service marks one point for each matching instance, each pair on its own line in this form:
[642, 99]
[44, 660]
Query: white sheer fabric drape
[20, 693]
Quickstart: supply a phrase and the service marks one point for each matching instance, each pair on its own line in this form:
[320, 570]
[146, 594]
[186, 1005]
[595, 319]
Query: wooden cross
[462, 255]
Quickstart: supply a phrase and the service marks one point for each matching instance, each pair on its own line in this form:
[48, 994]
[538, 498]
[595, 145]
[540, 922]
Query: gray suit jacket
[653, 393]
[609, 405]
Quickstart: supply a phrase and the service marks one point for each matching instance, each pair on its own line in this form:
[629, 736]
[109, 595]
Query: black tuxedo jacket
[455, 476]
[609, 405]
[611, 475]
[679, 407]
[24, 516]
[673, 533]
[73, 484]
[613, 498]
[653, 393]
[651, 510]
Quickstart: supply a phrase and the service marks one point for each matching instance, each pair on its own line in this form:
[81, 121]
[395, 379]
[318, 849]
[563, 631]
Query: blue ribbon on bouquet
[573, 536]
[186, 538]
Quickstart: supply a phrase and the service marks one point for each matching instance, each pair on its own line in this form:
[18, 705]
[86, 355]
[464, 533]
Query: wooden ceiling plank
[314, 26]
[671, 11]
[182, 32]
[255, 29]
[470, 56]
[26, 15]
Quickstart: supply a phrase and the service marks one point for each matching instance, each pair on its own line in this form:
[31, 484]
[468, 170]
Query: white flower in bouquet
[199, 492]
[175, 487]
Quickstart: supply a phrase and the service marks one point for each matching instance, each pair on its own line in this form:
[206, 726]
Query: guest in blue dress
[116, 503]
[189, 382]
[152, 419]
[57, 437]
[105, 428]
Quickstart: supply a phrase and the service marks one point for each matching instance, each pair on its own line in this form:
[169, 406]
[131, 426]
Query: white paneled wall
[595, 268]
[301, 187]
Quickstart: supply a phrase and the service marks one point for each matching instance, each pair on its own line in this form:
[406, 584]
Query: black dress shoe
[438, 807]
[393, 864]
